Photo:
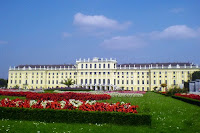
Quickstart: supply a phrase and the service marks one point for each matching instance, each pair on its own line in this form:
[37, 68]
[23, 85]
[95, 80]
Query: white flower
[62, 103]
[32, 102]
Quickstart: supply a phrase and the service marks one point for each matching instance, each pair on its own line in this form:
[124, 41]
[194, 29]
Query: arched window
[108, 65]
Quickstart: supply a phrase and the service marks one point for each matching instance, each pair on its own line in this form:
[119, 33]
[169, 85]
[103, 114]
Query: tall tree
[68, 82]
[196, 75]
[3, 83]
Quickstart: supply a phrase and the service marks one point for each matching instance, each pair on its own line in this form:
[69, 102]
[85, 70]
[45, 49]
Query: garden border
[74, 116]
[187, 100]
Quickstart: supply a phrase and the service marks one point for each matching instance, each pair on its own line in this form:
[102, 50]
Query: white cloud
[123, 42]
[3, 42]
[66, 34]
[177, 10]
[98, 22]
[175, 32]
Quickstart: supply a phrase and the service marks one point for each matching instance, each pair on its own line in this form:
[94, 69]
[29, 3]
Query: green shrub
[188, 100]
[176, 90]
[74, 116]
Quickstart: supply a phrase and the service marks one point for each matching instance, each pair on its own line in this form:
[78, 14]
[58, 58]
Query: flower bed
[57, 96]
[113, 93]
[192, 96]
[70, 104]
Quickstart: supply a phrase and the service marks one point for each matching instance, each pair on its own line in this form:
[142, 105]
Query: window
[131, 73]
[95, 73]
[95, 65]
[108, 65]
[99, 65]
[127, 82]
[174, 82]
[154, 82]
[165, 72]
[118, 73]
[95, 81]
[104, 65]
[85, 73]
[122, 73]
[104, 81]
[108, 81]
[19, 81]
[11, 81]
[33, 74]
[114, 81]
[99, 81]
[138, 73]
[138, 82]
[142, 81]
[147, 73]
[165, 81]
[53, 73]
[90, 81]
[160, 81]
[65, 73]
[52, 81]
[159, 72]
[41, 82]
[126, 88]
[132, 82]
[122, 81]
[32, 81]
[57, 73]
[142, 88]
[108, 73]
[114, 65]
[147, 88]
[15, 81]
[36, 81]
[85, 65]
[49, 81]
[81, 65]
[127, 73]
[117, 81]
[81, 81]
[183, 81]
[56, 81]
[182, 72]
[90, 65]
[154, 73]
[147, 81]
[70, 73]
[37, 73]
[99, 73]
[138, 88]
[174, 72]
[142, 73]
[104, 73]
[132, 88]
[81, 73]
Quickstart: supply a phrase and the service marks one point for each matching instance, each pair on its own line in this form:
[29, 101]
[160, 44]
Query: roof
[155, 64]
[46, 66]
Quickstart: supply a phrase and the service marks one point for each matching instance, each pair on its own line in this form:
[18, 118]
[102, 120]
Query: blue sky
[58, 32]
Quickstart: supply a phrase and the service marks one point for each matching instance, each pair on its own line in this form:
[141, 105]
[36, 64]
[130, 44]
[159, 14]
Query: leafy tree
[3, 83]
[68, 82]
[196, 75]
[163, 85]
[16, 87]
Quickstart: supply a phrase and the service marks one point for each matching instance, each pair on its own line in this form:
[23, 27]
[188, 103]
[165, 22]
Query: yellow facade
[102, 74]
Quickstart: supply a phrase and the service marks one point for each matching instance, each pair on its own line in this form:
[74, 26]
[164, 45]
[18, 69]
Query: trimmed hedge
[74, 116]
[188, 100]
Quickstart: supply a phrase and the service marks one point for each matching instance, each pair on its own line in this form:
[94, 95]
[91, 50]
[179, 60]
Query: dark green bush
[171, 92]
[188, 100]
[74, 116]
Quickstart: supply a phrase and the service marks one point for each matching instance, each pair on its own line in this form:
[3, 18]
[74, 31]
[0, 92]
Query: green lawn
[168, 115]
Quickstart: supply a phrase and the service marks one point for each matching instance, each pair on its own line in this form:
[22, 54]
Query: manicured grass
[11, 97]
[168, 115]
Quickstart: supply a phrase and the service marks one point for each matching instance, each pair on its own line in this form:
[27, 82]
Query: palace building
[102, 74]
